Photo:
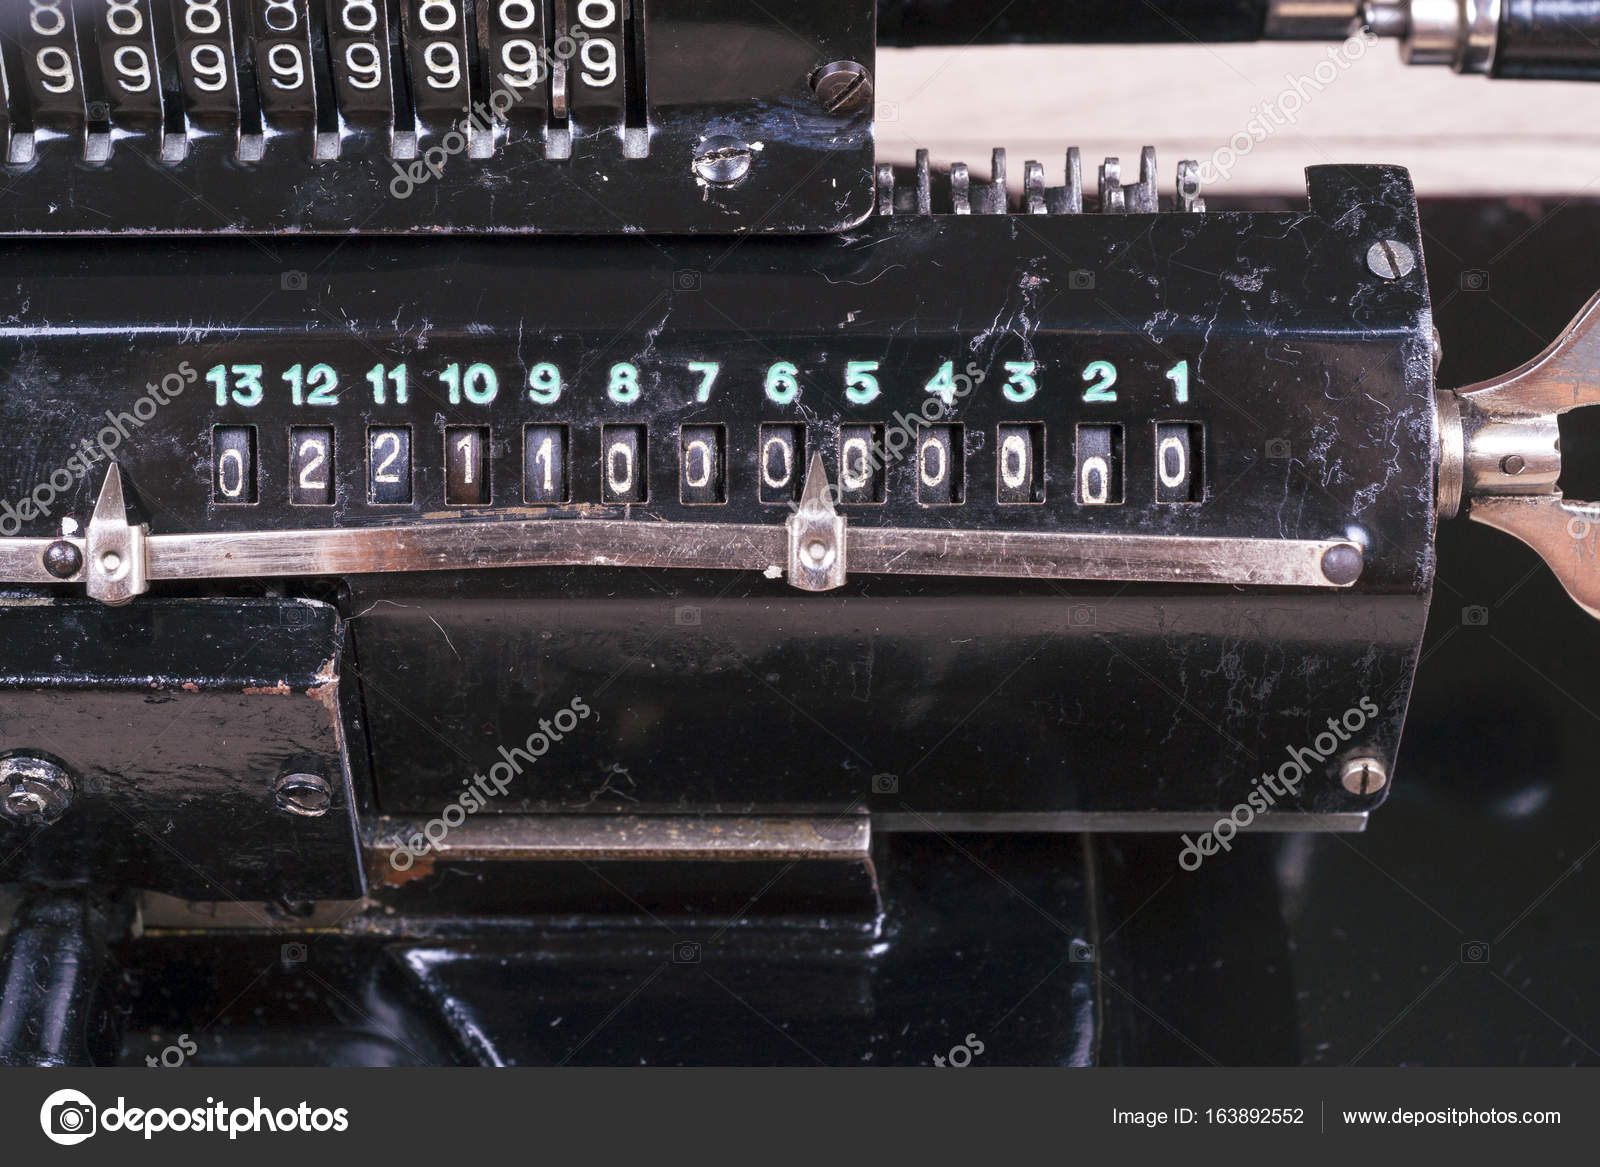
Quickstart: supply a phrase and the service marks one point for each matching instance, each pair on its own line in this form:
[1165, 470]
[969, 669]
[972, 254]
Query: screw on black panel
[1391, 259]
[1363, 776]
[842, 88]
[63, 559]
[307, 795]
[33, 790]
[723, 160]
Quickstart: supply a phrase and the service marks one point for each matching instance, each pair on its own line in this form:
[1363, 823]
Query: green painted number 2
[1103, 374]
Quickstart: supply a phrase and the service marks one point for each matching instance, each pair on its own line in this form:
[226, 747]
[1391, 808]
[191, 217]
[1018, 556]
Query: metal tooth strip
[971, 197]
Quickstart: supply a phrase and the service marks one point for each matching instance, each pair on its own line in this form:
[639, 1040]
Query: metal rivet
[307, 795]
[62, 559]
[1363, 776]
[842, 87]
[1513, 464]
[109, 562]
[1391, 259]
[34, 790]
[1342, 564]
[723, 160]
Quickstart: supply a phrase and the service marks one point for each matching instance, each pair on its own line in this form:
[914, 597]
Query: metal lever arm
[1500, 454]
[117, 560]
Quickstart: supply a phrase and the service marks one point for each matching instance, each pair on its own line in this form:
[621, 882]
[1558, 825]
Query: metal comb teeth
[958, 193]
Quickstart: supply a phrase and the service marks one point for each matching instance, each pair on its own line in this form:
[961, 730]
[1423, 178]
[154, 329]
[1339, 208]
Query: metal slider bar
[813, 550]
[843, 836]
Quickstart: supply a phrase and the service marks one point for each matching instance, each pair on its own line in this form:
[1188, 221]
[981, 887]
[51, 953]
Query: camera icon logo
[294, 952]
[885, 784]
[686, 952]
[686, 617]
[1475, 952]
[68, 1117]
[1475, 280]
[293, 281]
[1277, 448]
[1080, 280]
[887, 111]
[1082, 616]
[98, 111]
[1080, 952]
[1474, 616]
[686, 280]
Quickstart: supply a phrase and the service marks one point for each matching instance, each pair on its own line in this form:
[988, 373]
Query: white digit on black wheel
[383, 473]
[281, 15]
[210, 66]
[932, 446]
[855, 464]
[702, 450]
[318, 449]
[367, 12]
[55, 64]
[230, 460]
[619, 468]
[133, 67]
[1094, 481]
[545, 455]
[46, 17]
[600, 58]
[785, 455]
[517, 14]
[1180, 459]
[202, 17]
[285, 62]
[1014, 462]
[521, 60]
[366, 67]
[124, 17]
[437, 15]
[449, 69]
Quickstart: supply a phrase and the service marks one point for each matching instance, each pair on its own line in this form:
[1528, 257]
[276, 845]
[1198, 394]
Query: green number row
[479, 384]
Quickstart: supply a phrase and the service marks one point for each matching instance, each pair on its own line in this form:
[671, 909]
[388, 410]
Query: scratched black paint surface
[175, 719]
[983, 697]
[958, 953]
[1291, 950]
